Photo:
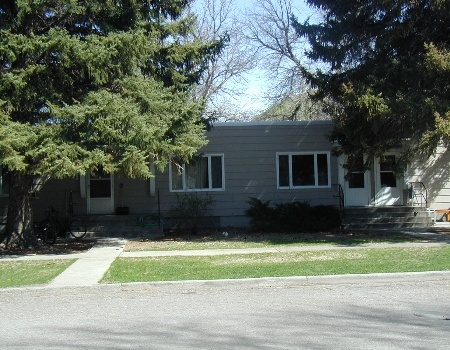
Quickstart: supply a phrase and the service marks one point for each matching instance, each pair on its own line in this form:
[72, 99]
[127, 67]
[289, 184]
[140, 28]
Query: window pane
[216, 172]
[100, 184]
[387, 175]
[303, 170]
[283, 171]
[197, 174]
[100, 188]
[388, 164]
[322, 168]
[388, 179]
[356, 179]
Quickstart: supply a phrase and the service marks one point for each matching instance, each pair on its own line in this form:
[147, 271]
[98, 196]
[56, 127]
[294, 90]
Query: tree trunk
[19, 228]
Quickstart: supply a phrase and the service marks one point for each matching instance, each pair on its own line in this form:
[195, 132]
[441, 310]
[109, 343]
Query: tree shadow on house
[434, 173]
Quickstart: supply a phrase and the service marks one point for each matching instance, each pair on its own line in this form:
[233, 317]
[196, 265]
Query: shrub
[291, 217]
[326, 217]
[190, 210]
[261, 215]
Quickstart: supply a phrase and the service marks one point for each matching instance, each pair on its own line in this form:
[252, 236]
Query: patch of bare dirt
[213, 238]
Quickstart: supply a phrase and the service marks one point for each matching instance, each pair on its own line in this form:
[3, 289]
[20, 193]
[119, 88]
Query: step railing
[340, 195]
[418, 194]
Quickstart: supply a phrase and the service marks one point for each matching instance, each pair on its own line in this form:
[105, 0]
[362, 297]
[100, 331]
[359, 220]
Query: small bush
[190, 210]
[291, 217]
[261, 215]
[327, 216]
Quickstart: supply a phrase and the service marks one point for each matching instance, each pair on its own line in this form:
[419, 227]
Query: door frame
[354, 197]
[374, 194]
[102, 205]
[384, 195]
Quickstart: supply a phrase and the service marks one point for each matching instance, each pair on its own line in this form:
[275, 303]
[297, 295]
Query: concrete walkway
[91, 265]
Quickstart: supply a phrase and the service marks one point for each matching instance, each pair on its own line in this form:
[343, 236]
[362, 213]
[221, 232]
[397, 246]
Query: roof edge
[272, 123]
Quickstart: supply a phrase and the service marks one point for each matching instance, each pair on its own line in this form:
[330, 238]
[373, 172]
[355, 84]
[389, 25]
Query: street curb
[187, 286]
[296, 281]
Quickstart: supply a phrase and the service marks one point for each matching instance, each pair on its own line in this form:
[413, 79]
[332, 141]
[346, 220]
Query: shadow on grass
[61, 247]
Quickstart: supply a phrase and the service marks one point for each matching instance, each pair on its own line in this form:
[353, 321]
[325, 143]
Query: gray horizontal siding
[249, 151]
[434, 172]
[250, 164]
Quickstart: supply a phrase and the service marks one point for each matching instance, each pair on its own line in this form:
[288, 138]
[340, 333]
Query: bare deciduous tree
[281, 56]
[222, 82]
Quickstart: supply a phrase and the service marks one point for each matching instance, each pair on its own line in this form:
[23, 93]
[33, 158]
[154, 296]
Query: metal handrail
[418, 191]
[341, 198]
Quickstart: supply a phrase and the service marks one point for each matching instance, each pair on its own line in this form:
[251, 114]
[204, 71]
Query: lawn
[241, 239]
[23, 273]
[329, 262]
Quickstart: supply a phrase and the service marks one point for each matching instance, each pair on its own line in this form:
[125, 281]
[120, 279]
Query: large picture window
[4, 180]
[300, 170]
[204, 172]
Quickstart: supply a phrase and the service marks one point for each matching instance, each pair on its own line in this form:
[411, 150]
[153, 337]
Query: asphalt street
[404, 311]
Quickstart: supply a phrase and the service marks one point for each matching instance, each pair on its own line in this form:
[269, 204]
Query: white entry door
[388, 188]
[357, 186]
[100, 193]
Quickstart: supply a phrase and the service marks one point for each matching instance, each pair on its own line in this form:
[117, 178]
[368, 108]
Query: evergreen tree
[94, 84]
[387, 73]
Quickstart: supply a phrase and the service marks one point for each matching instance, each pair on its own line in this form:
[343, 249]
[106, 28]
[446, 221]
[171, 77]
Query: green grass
[23, 273]
[330, 262]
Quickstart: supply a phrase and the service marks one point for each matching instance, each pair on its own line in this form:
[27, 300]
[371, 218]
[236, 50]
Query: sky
[253, 86]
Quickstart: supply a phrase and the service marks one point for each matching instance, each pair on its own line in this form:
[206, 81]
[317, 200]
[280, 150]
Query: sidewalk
[91, 265]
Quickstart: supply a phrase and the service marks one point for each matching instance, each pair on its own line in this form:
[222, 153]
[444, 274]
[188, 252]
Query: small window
[387, 174]
[357, 177]
[100, 184]
[299, 170]
[204, 172]
[4, 180]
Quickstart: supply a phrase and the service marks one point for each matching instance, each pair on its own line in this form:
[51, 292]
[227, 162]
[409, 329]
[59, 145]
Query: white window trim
[316, 178]
[183, 179]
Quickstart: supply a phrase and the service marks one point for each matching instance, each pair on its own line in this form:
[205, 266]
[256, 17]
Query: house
[276, 161]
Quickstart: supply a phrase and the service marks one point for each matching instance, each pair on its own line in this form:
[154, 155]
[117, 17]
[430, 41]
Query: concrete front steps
[124, 226]
[395, 217]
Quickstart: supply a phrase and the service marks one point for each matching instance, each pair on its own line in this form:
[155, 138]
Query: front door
[100, 193]
[356, 186]
[388, 187]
